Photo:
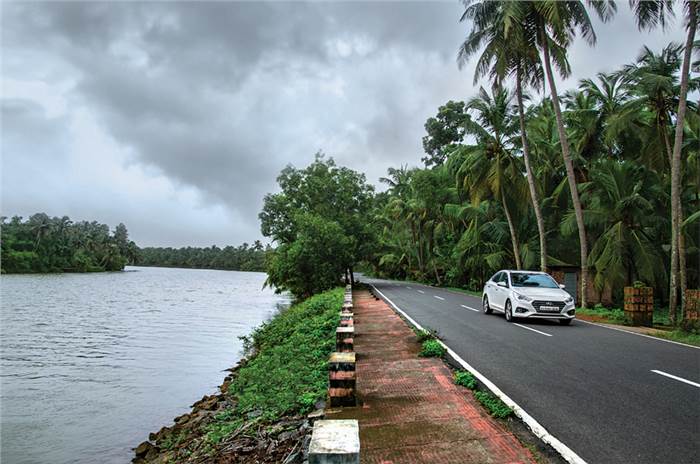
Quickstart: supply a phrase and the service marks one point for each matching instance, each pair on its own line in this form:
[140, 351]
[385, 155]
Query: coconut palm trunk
[578, 210]
[528, 170]
[676, 230]
[513, 234]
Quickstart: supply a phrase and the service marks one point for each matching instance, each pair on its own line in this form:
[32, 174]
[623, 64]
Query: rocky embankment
[255, 441]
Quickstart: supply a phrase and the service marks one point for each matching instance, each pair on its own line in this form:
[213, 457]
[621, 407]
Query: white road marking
[530, 328]
[439, 297]
[408, 287]
[680, 379]
[467, 307]
[567, 453]
[641, 335]
[421, 291]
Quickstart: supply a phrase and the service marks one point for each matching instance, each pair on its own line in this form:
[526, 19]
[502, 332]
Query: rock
[284, 436]
[317, 414]
[294, 457]
[255, 413]
[320, 404]
[143, 449]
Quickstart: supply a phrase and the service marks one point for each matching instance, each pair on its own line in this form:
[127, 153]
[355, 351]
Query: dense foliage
[320, 225]
[289, 370]
[241, 258]
[45, 244]
[508, 176]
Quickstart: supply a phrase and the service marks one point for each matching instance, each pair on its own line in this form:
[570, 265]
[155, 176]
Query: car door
[499, 293]
[492, 289]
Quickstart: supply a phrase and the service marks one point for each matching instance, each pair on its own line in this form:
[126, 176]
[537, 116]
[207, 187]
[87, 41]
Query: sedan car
[527, 294]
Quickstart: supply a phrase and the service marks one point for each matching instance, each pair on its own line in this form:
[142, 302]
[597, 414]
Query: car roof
[522, 271]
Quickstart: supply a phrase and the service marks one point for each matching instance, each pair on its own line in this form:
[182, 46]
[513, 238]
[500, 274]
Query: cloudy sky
[175, 118]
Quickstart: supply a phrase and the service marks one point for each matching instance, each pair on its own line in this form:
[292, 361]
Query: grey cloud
[220, 96]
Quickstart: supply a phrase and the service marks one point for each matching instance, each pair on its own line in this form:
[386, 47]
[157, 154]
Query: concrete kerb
[540, 432]
[335, 442]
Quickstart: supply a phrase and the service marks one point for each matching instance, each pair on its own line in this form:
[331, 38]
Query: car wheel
[487, 308]
[565, 321]
[509, 312]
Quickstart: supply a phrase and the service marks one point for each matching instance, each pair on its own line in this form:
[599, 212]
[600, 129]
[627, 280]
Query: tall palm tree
[649, 14]
[555, 24]
[489, 165]
[508, 50]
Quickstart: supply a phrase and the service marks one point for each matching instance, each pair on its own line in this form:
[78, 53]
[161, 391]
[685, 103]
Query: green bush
[495, 406]
[465, 379]
[432, 349]
[289, 371]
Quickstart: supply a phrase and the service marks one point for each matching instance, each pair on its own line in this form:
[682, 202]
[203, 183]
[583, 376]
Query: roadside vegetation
[432, 348]
[491, 402]
[288, 369]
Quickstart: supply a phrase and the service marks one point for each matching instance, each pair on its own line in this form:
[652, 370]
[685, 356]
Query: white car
[527, 294]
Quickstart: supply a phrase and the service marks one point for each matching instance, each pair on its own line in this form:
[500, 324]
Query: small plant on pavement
[465, 379]
[432, 349]
[496, 407]
[424, 335]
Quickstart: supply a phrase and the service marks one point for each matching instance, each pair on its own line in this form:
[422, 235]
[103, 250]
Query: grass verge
[464, 290]
[288, 367]
[432, 348]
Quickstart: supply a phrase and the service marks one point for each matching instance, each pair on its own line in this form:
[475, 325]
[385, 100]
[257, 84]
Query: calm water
[91, 363]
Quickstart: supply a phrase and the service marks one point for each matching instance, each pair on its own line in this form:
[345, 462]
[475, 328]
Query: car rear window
[523, 279]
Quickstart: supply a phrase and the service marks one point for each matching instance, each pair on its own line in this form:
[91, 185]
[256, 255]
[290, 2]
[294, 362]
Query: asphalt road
[592, 387]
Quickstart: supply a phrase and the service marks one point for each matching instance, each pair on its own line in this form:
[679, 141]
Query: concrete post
[335, 442]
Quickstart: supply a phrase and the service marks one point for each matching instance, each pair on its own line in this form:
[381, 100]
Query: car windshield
[522, 279]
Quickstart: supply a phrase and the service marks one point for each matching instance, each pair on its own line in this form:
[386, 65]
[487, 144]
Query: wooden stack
[639, 305]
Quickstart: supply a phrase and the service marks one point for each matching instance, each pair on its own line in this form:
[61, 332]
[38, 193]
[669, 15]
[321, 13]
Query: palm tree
[507, 50]
[489, 165]
[555, 24]
[650, 14]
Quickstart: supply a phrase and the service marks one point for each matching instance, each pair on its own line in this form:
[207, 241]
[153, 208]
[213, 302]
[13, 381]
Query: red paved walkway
[410, 411]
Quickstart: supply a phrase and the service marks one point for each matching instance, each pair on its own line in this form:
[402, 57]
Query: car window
[524, 279]
[496, 276]
[504, 278]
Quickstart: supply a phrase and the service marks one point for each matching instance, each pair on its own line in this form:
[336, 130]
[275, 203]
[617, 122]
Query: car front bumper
[526, 310]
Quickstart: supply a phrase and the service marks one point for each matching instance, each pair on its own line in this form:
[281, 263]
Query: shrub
[495, 406]
[432, 349]
[465, 379]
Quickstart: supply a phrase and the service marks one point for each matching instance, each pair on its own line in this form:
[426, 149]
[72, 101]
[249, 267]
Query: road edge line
[641, 335]
[540, 432]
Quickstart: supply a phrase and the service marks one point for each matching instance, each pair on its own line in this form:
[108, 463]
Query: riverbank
[265, 407]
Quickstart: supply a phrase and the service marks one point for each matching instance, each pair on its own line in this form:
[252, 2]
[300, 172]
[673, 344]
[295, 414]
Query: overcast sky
[175, 118]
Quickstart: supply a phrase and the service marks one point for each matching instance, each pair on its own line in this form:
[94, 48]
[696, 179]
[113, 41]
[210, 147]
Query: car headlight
[569, 300]
[523, 297]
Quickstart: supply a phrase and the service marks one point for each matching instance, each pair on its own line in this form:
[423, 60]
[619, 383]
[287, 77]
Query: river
[90, 364]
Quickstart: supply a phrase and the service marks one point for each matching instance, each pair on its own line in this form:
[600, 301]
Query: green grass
[288, 371]
[465, 379]
[613, 315]
[690, 338]
[493, 404]
[432, 349]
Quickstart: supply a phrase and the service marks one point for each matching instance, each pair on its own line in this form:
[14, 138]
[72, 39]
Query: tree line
[56, 244]
[605, 177]
[241, 258]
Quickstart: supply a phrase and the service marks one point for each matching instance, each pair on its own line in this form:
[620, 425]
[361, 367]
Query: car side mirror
[562, 286]
[502, 284]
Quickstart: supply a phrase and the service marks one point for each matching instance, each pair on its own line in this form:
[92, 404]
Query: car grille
[537, 303]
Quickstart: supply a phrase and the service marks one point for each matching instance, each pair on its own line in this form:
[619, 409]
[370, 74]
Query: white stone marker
[335, 442]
